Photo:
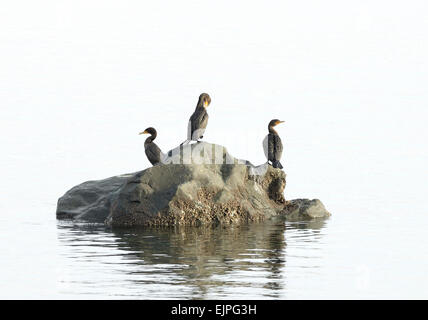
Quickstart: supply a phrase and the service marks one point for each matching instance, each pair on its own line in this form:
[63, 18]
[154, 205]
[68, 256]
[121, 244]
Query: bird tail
[185, 142]
[277, 164]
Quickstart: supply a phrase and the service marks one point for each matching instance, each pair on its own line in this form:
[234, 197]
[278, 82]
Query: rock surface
[305, 209]
[197, 184]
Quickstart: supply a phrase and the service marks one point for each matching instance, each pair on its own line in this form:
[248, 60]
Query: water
[349, 80]
[274, 260]
[191, 263]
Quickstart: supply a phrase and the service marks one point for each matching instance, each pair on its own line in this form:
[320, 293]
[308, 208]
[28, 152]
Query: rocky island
[195, 184]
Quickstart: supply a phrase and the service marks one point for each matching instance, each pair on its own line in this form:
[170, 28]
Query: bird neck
[272, 130]
[200, 104]
[151, 138]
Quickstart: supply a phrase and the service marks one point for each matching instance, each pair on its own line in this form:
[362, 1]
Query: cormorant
[273, 145]
[153, 153]
[199, 119]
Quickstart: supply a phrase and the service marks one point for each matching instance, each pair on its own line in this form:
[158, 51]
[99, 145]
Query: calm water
[272, 260]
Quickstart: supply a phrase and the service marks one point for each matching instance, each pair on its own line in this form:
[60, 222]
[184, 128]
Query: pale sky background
[80, 79]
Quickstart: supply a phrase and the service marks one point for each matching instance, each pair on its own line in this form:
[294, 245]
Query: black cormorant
[153, 153]
[199, 119]
[273, 145]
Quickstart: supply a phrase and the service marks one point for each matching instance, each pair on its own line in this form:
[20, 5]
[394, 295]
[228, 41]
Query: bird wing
[198, 121]
[271, 147]
[204, 120]
[153, 153]
[266, 146]
[274, 147]
[278, 148]
[189, 130]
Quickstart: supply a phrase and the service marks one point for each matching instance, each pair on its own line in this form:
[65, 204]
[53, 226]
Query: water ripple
[176, 263]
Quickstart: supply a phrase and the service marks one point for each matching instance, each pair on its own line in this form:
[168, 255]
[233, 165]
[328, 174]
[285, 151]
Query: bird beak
[144, 132]
[281, 122]
[205, 103]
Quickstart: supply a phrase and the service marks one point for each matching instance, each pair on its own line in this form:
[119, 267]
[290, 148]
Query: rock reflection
[316, 224]
[211, 257]
[247, 261]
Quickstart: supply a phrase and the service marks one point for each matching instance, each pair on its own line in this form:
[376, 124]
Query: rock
[305, 209]
[91, 200]
[196, 184]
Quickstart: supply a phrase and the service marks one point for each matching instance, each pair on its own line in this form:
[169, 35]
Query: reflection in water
[248, 261]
